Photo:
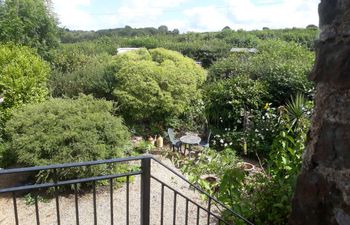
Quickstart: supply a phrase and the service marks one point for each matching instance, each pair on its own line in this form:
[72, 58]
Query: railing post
[145, 190]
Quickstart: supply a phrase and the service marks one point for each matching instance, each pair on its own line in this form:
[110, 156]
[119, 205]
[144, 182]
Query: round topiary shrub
[155, 86]
[66, 130]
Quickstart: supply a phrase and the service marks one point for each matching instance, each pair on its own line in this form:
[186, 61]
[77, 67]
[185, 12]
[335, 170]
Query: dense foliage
[68, 36]
[246, 115]
[65, 130]
[23, 76]
[263, 197]
[283, 66]
[152, 87]
[206, 47]
[226, 100]
[89, 75]
[23, 79]
[30, 23]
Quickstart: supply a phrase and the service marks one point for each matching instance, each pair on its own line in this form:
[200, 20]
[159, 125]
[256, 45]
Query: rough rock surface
[322, 195]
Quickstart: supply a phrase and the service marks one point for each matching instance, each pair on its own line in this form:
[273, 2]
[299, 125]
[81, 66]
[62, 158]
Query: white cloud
[244, 14]
[143, 13]
[206, 18]
[180, 24]
[71, 15]
[288, 13]
[238, 14]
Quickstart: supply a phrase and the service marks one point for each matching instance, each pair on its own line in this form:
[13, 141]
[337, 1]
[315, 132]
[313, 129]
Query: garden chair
[205, 140]
[175, 142]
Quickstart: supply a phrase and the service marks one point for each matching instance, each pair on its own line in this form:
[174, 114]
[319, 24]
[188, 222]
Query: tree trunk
[322, 194]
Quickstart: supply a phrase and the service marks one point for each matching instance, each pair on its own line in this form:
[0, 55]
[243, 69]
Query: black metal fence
[145, 196]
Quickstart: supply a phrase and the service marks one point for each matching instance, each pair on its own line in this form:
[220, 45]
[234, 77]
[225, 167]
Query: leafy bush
[258, 197]
[23, 76]
[272, 201]
[209, 162]
[255, 138]
[283, 66]
[207, 47]
[228, 99]
[263, 198]
[234, 65]
[288, 145]
[68, 59]
[152, 87]
[193, 118]
[66, 130]
[94, 77]
[266, 198]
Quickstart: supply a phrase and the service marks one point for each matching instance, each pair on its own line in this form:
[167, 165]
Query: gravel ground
[47, 210]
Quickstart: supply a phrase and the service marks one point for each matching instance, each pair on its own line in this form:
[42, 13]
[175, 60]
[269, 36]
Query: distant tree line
[206, 47]
[71, 36]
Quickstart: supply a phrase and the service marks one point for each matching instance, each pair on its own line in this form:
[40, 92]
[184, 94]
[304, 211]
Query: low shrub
[66, 130]
[208, 163]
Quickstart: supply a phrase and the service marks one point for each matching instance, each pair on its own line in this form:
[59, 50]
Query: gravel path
[47, 210]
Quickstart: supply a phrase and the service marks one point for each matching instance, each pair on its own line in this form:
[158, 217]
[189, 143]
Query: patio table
[190, 139]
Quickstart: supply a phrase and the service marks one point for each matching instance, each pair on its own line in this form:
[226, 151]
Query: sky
[186, 15]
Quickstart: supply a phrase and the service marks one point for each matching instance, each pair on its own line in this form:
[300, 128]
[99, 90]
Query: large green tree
[28, 22]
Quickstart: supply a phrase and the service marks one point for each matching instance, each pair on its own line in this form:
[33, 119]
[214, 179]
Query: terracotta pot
[247, 166]
[211, 178]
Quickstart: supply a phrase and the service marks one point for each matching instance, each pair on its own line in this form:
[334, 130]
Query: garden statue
[159, 142]
[151, 140]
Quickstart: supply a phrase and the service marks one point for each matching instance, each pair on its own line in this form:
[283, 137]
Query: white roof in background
[247, 50]
[123, 50]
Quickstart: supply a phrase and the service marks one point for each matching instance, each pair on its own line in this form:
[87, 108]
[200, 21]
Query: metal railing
[145, 195]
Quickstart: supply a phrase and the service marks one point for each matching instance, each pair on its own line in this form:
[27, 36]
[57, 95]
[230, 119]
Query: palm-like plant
[296, 109]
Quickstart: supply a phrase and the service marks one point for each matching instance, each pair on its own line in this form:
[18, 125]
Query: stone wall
[322, 195]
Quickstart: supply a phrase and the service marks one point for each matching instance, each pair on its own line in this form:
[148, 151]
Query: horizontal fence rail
[144, 171]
